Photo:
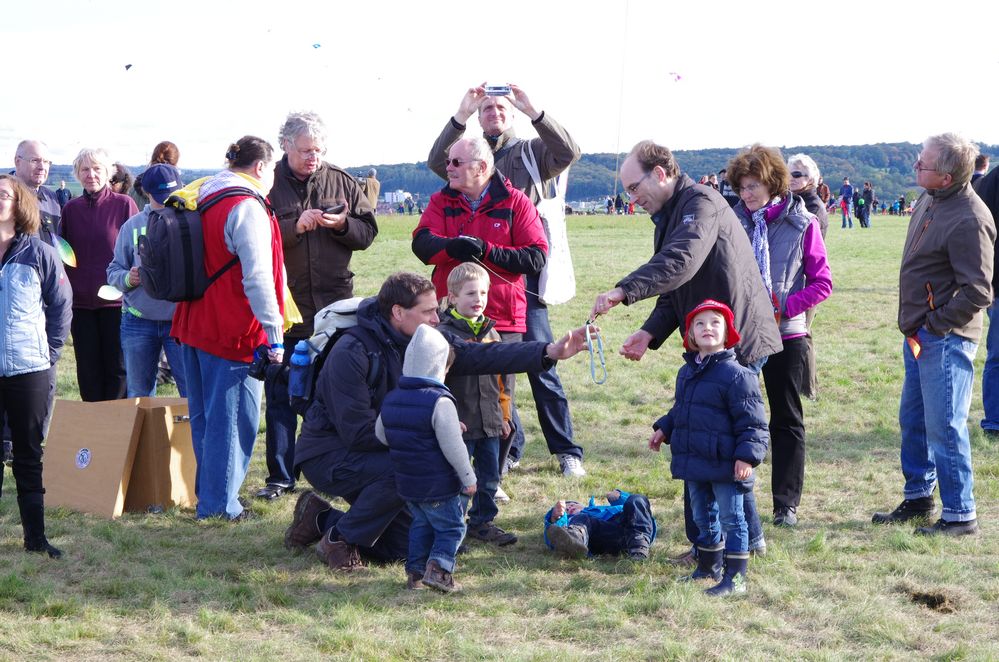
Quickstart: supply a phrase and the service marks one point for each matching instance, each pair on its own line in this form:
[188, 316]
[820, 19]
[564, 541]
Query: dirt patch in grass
[940, 601]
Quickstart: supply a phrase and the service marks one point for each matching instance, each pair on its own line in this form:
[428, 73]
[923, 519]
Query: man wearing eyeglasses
[945, 281]
[31, 166]
[319, 241]
[554, 150]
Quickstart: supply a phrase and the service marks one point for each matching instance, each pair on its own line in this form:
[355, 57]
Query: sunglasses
[457, 163]
[797, 173]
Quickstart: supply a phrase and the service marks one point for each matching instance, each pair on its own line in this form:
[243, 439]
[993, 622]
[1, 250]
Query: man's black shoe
[907, 510]
[946, 528]
[272, 491]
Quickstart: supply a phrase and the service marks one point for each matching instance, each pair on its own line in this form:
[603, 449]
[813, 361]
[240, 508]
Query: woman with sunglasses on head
[37, 303]
[791, 255]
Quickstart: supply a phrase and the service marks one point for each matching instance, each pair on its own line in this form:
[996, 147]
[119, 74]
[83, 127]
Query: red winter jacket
[222, 322]
[515, 245]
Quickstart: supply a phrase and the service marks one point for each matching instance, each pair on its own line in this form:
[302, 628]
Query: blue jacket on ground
[604, 513]
[717, 418]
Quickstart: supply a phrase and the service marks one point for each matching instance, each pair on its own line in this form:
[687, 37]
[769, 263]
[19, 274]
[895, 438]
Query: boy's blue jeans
[718, 506]
[485, 456]
[437, 529]
[141, 342]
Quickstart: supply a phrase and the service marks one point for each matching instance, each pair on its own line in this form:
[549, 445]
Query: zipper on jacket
[929, 296]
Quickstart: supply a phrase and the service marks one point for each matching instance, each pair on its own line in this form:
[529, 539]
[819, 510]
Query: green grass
[167, 587]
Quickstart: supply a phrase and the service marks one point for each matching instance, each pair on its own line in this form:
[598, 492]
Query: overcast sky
[386, 75]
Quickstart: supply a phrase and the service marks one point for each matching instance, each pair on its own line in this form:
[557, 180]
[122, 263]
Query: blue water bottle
[298, 376]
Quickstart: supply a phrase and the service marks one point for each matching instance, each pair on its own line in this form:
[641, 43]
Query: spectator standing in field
[90, 223]
[700, 252]
[981, 167]
[372, 187]
[725, 188]
[145, 321]
[869, 202]
[121, 180]
[31, 166]
[63, 194]
[555, 151]
[619, 204]
[945, 281]
[319, 243]
[164, 152]
[845, 201]
[32, 282]
[242, 310]
[787, 243]
[823, 190]
[987, 188]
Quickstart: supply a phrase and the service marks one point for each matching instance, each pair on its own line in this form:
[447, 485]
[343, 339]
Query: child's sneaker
[414, 581]
[501, 495]
[439, 578]
[569, 541]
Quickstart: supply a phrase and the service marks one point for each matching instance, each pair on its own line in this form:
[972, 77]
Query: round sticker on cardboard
[83, 458]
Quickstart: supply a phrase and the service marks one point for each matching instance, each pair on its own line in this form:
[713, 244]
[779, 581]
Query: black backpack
[172, 251]
[300, 402]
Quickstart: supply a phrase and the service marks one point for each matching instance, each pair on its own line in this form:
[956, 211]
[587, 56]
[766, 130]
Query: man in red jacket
[480, 217]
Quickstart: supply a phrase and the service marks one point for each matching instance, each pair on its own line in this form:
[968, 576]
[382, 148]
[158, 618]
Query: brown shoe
[414, 581]
[304, 529]
[687, 559]
[439, 578]
[339, 555]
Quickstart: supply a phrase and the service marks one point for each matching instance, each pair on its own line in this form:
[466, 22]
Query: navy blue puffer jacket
[718, 418]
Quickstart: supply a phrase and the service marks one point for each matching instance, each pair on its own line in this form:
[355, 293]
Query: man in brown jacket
[945, 282]
[554, 150]
[319, 241]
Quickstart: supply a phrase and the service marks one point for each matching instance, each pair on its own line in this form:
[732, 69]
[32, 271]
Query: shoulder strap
[211, 201]
[374, 353]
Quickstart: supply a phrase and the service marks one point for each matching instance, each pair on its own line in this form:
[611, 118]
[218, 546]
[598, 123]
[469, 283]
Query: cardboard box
[108, 457]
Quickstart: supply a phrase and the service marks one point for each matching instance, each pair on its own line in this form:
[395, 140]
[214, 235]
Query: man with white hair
[319, 240]
[944, 284]
[31, 165]
[554, 150]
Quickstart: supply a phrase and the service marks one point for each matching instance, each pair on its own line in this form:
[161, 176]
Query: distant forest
[888, 166]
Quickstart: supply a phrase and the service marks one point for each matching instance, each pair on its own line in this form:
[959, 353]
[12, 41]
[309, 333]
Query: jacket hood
[370, 318]
[427, 354]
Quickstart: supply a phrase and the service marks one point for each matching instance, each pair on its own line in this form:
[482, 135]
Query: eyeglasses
[749, 189]
[797, 174]
[457, 163]
[35, 162]
[919, 167]
[632, 189]
[311, 153]
[7, 196]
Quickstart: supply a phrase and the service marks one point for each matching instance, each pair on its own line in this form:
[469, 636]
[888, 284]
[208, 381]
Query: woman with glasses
[791, 255]
[90, 224]
[37, 304]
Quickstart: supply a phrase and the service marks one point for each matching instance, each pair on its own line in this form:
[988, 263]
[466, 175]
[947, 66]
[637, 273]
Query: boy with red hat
[717, 431]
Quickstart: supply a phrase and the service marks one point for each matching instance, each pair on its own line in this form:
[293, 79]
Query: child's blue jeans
[485, 456]
[437, 529]
[718, 506]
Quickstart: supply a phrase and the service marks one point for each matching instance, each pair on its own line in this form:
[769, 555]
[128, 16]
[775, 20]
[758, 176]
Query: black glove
[466, 249]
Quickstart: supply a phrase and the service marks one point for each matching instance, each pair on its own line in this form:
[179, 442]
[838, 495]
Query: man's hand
[469, 491]
[520, 101]
[557, 511]
[636, 345]
[470, 103]
[506, 429]
[657, 440]
[743, 470]
[466, 249]
[569, 345]
[133, 279]
[308, 221]
[606, 301]
[334, 221]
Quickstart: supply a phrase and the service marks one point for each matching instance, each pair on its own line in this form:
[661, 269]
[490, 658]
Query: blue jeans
[224, 405]
[719, 506]
[485, 455]
[847, 218]
[933, 417]
[141, 342]
[990, 375]
[436, 532]
[546, 387]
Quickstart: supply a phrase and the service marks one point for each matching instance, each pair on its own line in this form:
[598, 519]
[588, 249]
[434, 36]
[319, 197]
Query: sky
[386, 75]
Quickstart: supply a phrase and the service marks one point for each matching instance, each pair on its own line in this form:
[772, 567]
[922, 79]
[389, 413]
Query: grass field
[167, 587]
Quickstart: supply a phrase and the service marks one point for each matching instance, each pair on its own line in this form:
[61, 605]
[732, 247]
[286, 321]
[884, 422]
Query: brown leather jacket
[318, 262]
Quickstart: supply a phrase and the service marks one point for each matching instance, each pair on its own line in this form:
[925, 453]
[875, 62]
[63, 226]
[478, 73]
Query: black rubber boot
[709, 564]
[33, 523]
[734, 580]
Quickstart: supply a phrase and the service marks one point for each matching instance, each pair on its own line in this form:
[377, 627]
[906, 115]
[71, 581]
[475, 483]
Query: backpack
[172, 251]
[330, 324]
[557, 281]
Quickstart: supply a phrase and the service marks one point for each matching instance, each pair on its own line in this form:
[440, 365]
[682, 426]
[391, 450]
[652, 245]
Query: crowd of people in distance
[414, 420]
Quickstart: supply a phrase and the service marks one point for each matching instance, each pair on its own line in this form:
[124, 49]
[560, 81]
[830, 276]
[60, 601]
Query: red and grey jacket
[515, 245]
[222, 322]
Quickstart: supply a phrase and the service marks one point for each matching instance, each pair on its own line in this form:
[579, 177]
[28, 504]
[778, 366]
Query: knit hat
[731, 335]
[427, 354]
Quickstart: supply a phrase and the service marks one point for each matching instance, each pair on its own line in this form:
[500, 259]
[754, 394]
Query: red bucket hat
[731, 335]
